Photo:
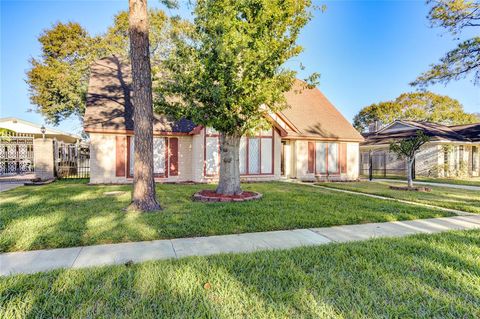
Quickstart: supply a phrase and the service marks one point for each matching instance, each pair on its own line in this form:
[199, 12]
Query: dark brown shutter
[173, 143]
[311, 157]
[343, 157]
[120, 151]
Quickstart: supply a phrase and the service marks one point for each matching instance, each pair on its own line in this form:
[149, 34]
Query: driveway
[5, 186]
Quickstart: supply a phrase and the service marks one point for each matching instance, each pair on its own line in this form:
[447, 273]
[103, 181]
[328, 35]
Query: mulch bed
[414, 189]
[211, 196]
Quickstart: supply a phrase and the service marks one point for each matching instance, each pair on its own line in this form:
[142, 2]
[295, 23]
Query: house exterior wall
[429, 160]
[103, 161]
[190, 161]
[300, 163]
[198, 147]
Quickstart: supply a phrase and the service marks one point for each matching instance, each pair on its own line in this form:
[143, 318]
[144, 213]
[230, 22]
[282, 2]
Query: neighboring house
[451, 151]
[26, 150]
[310, 140]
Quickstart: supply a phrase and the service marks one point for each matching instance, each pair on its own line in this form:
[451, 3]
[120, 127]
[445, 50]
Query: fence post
[370, 165]
[384, 164]
[413, 168]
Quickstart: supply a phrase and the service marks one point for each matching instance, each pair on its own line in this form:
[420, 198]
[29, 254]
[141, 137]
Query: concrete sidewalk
[6, 186]
[80, 257]
[458, 186]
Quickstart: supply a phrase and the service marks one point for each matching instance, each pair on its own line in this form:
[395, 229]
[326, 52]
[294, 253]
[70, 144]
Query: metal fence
[16, 154]
[72, 160]
[382, 164]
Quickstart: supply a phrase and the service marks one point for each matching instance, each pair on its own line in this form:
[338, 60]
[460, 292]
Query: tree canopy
[228, 74]
[455, 16]
[58, 79]
[417, 106]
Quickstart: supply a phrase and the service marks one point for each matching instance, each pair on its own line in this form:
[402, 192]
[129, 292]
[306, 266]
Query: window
[255, 156]
[474, 158]
[267, 163]
[333, 157]
[320, 158]
[455, 157]
[327, 158]
[159, 156]
[243, 155]
[131, 155]
[445, 156]
[212, 158]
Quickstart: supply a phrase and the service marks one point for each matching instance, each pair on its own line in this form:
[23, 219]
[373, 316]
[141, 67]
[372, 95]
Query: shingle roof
[109, 106]
[314, 116]
[470, 131]
[437, 132]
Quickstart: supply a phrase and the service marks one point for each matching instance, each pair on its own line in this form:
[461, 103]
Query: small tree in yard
[407, 148]
[228, 73]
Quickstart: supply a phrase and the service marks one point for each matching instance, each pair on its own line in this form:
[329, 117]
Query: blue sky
[365, 51]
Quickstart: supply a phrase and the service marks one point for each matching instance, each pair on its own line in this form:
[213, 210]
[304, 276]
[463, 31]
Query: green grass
[472, 181]
[65, 214]
[446, 197]
[423, 276]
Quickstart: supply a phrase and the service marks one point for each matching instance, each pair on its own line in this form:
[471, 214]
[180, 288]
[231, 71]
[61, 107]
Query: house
[451, 151]
[308, 141]
[27, 150]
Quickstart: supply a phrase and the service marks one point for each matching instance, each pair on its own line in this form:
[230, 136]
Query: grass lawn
[460, 199]
[65, 214]
[472, 181]
[423, 276]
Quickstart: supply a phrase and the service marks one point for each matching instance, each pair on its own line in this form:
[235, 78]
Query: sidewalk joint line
[76, 257]
[173, 247]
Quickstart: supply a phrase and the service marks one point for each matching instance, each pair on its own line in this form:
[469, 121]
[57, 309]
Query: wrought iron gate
[16, 154]
[382, 164]
[72, 160]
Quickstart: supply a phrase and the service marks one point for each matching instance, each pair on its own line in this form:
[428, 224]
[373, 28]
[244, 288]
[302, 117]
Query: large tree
[143, 197]
[58, 79]
[455, 16]
[228, 73]
[417, 106]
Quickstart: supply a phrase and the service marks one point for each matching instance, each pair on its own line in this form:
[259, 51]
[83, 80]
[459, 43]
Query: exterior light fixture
[43, 130]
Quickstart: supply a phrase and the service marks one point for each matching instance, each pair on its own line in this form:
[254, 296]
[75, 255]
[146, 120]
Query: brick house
[310, 140]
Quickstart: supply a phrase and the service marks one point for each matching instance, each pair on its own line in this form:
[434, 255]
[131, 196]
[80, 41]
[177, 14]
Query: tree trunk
[229, 183]
[410, 162]
[143, 198]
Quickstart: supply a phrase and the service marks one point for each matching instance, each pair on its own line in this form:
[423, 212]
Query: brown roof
[436, 132]
[109, 105]
[470, 131]
[313, 116]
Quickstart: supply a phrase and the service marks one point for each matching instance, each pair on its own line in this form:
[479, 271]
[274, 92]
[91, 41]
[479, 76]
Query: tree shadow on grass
[419, 276]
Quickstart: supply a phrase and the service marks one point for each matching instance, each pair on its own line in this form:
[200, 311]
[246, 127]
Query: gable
[313, 116]
[398, 127]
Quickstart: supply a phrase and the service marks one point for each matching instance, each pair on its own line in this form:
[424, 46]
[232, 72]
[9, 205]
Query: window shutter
[311, 157]
[173, 154]
[120, 147]
[343, 158]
